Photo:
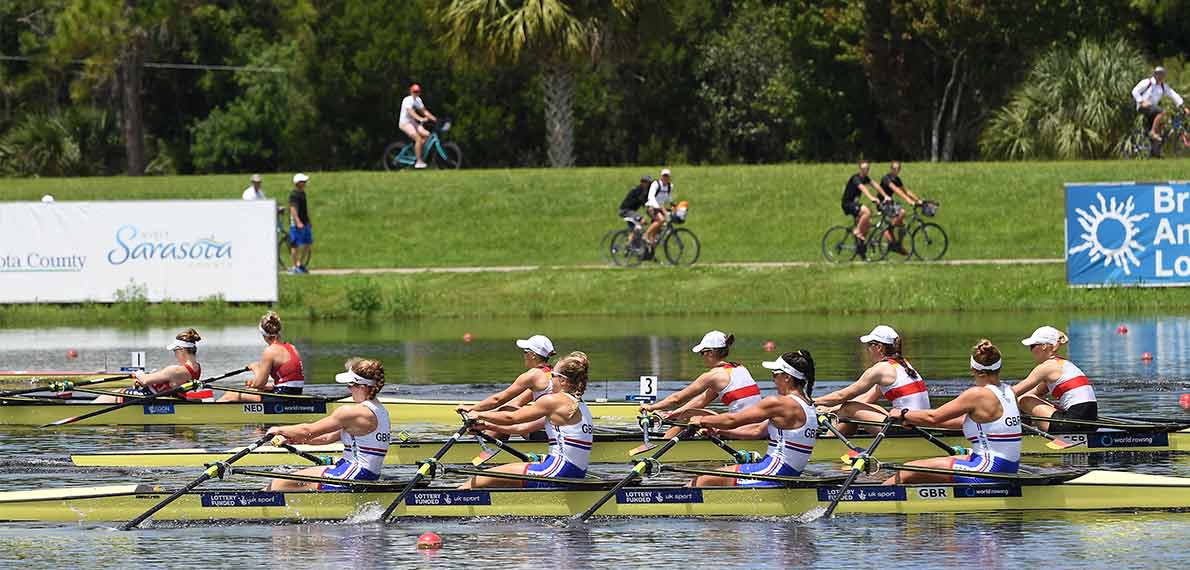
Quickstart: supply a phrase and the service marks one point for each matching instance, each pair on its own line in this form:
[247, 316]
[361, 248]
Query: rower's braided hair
[893, 351]
[271, 323]
[189, 335]
[371, 369]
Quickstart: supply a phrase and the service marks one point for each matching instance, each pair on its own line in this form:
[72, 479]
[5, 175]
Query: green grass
[634, 293]
[556, 217]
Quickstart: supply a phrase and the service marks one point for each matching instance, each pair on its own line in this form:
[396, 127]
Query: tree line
[95, 87]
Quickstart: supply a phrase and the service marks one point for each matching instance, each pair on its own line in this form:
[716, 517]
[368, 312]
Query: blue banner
[1130, 233]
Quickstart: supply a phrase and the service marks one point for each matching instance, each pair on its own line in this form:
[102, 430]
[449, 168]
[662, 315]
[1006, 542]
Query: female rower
[568, 426]
[185, 349]
[788, 418]
[1059, 378]
[992, 425]
[728, 382]
[891, 377]
[362, 427]
[280, 361]
[531, 384]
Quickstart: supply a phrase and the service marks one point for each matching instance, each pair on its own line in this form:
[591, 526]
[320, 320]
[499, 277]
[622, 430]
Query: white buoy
[47, 199]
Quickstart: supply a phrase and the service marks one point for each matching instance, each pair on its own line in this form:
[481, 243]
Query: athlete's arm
[542, 408]
[868, 380]
[949, 416]
[355, 418]
[260, 370]
[523, 383]
[174, 375]
[864, 188]
[698, 386]
[1034, 380]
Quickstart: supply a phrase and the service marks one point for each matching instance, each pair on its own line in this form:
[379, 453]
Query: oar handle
[858, 465]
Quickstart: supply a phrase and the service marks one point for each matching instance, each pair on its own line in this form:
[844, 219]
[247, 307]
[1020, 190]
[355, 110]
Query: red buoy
[769, 346]
[1122, 329]
[1184, 401]
[467, 337]
[1147, 357]
[429, 541]
[72, 353]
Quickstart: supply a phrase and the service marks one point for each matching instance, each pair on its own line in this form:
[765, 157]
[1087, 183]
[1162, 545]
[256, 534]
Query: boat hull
[1096, 490]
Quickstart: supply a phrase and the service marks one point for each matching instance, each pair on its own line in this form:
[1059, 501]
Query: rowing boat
[28, 411]
[615, 449]
[28, 378]
[1094, 490]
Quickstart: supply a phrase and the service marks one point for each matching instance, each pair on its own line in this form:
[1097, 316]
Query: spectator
[253, 191]
[413, 114]
[301, 236]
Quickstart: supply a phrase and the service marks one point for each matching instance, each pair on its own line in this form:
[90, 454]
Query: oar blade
[642, 448]
[1058, 444]
[483, 457]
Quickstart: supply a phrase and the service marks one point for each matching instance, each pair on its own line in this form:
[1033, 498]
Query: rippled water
[430, 359]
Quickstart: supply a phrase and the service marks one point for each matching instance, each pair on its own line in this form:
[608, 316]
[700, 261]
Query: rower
[1059, 378]
[363, 428]
[529, 386]
[788, 418]
[185, 349]
[280, 361]
[891, 378]
[992, 424]
[728, 382]
[568, 425]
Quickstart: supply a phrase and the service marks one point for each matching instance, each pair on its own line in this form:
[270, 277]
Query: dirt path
[734, 264]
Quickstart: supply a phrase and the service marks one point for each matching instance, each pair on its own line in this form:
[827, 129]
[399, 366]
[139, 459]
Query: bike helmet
[646, 178]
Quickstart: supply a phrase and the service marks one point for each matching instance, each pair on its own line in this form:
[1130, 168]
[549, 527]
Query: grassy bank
[519, 217]
[662, 291]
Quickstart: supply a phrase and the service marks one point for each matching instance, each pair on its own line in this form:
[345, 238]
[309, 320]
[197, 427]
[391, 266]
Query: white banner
[67, 252]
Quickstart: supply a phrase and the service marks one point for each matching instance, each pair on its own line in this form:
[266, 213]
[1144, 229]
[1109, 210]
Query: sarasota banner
[69, 252]
[1128, 234]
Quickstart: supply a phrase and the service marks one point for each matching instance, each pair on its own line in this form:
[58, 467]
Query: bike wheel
[878, 245]
[1136, 146]
[929, 242]
[283, 251]
[448, 156]
[838, 244]
[605, 245]
[392, 156]
[305, 257]
[681, 247]
[622, 252]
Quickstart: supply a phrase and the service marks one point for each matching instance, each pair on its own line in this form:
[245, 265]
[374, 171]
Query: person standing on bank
[301, 236]
[253, 191]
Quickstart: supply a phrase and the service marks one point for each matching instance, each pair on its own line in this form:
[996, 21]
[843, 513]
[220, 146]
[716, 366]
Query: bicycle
[284, 245]
[628, 247]
[1138, 145]
[928, 241]
[437, 153]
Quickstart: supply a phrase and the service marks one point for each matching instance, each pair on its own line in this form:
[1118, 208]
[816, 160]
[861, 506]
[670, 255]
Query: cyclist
[660, 197]
[1148, 95]
[633, 200]
[891, 187]
[859, 182]
[413, 114]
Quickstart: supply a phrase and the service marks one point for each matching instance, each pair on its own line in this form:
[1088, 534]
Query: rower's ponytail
[893, 352]
[804, 363]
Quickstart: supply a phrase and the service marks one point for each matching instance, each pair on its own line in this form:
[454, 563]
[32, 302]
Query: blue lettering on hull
[243, 499]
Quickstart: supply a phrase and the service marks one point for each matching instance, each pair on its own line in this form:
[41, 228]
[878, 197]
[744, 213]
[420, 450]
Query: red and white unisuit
[1072, 386]
[907, 391]
[290, 374]
[741, 391]
[549, 389]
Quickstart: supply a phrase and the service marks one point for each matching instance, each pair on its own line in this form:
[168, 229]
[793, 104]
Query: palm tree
[558, 34]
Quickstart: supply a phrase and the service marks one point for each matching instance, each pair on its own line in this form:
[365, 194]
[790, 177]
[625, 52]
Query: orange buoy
[769, 346]
[72, 353]
[1122, 329]
[429, 541]
[467, 337]
[1184, 401]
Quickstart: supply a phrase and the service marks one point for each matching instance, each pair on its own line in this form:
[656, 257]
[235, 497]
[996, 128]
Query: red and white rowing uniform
[908, 390]
[363, 456]
[788, 452]
[291, 376]
[1072, 387]
[995, 445]
[549, 389]
[741, 390]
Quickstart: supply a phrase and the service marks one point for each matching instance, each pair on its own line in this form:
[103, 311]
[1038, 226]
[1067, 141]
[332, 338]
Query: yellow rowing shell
[14, 380]
[1092, 491]
[616, 450]
[16, 411]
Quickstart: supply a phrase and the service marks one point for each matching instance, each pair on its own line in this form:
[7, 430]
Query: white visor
[179, 344]
[781, 365]
[266, 333]
[350, 377]
[988, 368]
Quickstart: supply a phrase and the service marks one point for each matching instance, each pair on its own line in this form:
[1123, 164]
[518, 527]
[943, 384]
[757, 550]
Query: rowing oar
[500, 444]
[636, 471]
[214, 470]
[737, 455]
[315, 459]
[1054, 441]
[424, 470]
[131, 401]
[858, 465]
[63, 386]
